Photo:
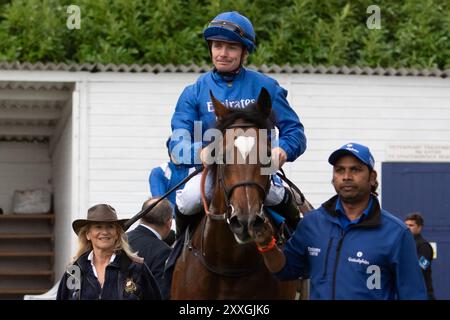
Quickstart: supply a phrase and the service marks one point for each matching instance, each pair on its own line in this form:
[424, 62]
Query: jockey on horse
[231, 38]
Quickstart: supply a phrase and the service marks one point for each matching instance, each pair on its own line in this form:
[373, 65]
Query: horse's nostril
[236, 226]
[257, 223]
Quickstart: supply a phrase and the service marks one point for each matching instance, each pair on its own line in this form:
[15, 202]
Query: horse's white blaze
[244, 145]
[248, 200]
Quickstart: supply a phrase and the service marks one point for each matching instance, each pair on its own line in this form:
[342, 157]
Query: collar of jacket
[227, 76]
[372, 220]
[419, 239]
[146, 231]
[122, 261]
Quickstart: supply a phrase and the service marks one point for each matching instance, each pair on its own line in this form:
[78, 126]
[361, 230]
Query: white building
[92, 133]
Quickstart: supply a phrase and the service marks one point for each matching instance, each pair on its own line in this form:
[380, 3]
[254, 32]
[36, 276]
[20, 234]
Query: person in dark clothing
[147, 239]
[104, 267]
[414, 221]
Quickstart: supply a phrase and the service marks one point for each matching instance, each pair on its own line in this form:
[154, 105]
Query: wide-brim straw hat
[98, 213]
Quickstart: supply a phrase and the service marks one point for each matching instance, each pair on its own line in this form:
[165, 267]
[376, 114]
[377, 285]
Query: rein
[228, 191]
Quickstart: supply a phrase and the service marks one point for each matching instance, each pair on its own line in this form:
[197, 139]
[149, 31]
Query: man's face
[352, 180]
[413, 227]
[226, 56]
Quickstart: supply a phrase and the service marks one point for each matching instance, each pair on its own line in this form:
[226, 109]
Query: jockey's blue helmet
[231, 26]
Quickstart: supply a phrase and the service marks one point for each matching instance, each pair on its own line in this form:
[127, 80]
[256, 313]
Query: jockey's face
[226, 56]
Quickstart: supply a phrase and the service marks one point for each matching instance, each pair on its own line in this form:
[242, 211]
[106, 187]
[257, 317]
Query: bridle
[228, 190]
[225, 216]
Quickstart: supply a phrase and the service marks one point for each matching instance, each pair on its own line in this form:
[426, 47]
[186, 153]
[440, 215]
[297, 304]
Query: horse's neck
[217, 236]
[217, 242]
[220, 248]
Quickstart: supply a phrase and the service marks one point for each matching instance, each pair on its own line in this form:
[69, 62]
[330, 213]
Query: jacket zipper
[338, 253]
[326, 257]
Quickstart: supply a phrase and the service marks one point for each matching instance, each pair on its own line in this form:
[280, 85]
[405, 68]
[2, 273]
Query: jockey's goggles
[230, 26]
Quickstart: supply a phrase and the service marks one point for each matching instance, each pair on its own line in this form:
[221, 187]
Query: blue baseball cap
[357, 150]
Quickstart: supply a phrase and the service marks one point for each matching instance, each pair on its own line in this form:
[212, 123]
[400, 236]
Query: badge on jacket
[130, 286]
[424, 263]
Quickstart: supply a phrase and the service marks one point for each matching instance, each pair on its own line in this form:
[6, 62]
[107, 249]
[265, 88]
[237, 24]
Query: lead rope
[202, 189]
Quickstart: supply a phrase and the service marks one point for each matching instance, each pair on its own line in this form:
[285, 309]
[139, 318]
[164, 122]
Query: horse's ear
[264, 104]
[220, 110]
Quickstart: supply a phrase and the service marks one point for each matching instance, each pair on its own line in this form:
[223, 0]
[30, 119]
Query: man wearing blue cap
[352, 248]
[231, 38]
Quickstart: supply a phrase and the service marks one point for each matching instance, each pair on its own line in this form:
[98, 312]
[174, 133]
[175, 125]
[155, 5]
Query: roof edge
[193, 68]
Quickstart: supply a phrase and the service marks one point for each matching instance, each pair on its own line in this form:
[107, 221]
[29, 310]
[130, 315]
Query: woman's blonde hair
[84, 245]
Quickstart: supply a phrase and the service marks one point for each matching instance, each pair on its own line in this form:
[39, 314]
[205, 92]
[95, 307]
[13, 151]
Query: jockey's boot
[288, 209]
[182, 221]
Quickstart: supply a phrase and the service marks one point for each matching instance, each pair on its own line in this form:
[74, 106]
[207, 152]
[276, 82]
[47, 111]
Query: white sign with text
[421, 152]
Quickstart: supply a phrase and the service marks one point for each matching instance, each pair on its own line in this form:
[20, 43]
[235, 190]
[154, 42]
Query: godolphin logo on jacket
[359, 259]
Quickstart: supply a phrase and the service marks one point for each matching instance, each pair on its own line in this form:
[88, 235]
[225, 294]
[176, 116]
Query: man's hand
[274, 258]
[279, 156]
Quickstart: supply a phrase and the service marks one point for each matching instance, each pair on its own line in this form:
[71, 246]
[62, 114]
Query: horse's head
[241, 182]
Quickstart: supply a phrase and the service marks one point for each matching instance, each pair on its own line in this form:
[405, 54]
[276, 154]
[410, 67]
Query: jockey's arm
[182, 124]
[291, 131]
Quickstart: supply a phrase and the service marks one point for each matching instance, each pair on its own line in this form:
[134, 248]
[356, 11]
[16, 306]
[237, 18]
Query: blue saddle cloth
[278, 219]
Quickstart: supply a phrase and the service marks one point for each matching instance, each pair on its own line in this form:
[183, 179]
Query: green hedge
[413, 34]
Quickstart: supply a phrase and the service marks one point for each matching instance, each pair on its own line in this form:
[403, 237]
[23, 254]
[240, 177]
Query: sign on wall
[418, 152]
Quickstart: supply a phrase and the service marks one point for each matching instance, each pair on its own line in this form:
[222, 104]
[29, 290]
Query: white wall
[23, 165]
[62, 185]
[374, 111]
[129, 120]
[120, 123]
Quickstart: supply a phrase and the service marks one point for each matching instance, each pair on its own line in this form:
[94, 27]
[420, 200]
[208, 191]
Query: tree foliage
[329, 32]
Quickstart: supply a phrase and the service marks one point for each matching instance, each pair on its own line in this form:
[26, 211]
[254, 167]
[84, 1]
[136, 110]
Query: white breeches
[189, 199]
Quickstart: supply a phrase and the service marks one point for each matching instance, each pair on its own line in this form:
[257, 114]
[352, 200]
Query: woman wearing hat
[104, 266]
[231, 38]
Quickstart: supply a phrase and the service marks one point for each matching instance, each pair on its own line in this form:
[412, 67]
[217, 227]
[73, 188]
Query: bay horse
[221, 261]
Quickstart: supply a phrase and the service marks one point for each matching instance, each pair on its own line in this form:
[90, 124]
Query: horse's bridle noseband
[228, 191]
